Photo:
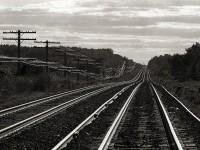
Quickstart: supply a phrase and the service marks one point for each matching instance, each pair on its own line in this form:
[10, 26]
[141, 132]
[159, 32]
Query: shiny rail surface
[87, 121]
[47, 99]
[41, 116]
[58, 96]
[106, 141]
[22, 124]
[184, 122]
[63, 143]
[145, 125]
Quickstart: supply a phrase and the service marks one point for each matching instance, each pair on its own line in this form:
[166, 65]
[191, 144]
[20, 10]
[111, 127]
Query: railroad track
[59, 96]
[185, 123]
[38, 117]
[48, 99]
[41, 116]
[147, 120]
[24, 139]
[21, 115]
[159, 122]
[72, 135]
[143, 125]
[63, 143]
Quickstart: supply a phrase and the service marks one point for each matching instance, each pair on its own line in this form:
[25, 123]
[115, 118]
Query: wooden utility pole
[78, 66]
[65, 51]
[47, 50]
[19, 41]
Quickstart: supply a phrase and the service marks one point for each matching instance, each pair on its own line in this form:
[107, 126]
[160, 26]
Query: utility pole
[78, 66]
[47, 50]
[65, 51]
[19, 41]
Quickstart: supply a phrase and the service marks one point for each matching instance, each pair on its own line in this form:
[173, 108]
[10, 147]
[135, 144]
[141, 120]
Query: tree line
[104, 56]
[180, 67]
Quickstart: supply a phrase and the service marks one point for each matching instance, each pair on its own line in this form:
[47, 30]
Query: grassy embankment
[187, 92]
[15, 90]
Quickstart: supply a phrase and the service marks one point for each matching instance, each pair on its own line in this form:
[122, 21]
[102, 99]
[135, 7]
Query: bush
[41, 82]
[23, 84]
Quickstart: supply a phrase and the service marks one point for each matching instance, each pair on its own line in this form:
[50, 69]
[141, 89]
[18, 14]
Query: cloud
[137, 29]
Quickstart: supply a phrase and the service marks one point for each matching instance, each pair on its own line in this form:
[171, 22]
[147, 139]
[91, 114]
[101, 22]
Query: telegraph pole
[47, 50]
[19, 41]
[65, 51]
[78, 66]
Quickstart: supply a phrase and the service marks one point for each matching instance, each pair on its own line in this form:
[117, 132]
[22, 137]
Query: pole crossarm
[47, 42]
[27, 32]
[38, 47]
[25, 39]
[14, 32]
[39, 42]
[10, 38]
[19, 40]
[10, 32]
[28, 39]
[47, 49]
[53, 42]
[64, 51]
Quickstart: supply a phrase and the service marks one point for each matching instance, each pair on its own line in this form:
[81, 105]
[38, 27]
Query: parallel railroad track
[14, 117]
[61, 95]
[31, 120]
[48, 99]
[162, 123]
[19, 114]
[72, 136]
[39, 117]
[142, 123]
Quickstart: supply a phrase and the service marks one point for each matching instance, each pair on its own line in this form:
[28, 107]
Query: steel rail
[137, 76]
[31, 120]
[43, 100]
[198, 119]
[60, 95]
[173, 137]
[63, 143]
[22, 124]
[191, 113]
[175, 143]
[107, 139]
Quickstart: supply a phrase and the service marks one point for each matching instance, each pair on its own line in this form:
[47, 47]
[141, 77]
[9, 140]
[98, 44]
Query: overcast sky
[138, 29]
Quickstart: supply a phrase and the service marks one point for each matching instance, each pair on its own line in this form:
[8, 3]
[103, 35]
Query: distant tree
[181, 67]
[194, 49]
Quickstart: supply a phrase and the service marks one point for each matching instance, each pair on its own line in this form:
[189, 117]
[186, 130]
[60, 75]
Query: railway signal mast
[47, 50]
[19, 41]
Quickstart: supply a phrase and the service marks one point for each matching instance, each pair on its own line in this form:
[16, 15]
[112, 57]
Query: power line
[64, 51]
[19, 41]
[47, 49]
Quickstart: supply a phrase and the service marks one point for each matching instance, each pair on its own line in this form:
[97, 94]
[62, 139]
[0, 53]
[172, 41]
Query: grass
[187, 92]
[15, 90]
